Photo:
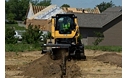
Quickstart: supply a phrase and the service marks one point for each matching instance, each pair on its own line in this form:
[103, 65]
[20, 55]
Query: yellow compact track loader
[65, 40]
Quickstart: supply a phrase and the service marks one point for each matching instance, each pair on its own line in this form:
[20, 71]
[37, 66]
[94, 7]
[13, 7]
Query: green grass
[16, 26]
[22, 47]
[105, 48]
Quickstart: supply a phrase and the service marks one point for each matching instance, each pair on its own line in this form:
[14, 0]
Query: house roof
[90, 20]
[81, 10]
[42, 12]
[36, 9]
[114, 9]
[98, 20]
[111, 14]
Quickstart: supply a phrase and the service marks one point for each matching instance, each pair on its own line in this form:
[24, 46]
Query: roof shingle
[98, 20]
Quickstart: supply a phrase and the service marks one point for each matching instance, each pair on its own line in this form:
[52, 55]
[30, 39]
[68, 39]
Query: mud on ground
[34, 65]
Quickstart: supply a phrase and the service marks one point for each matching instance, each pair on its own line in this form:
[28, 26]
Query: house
[41, 16]
[108, 22]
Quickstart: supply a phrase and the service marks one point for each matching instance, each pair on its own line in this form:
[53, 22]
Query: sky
[84, 3]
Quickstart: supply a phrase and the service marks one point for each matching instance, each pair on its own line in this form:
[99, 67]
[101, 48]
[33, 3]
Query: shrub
[99, 38]
[32, 35]
[9, 35]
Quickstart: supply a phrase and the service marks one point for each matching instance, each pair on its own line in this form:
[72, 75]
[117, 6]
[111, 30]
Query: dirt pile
[45, 67]
[11, 67]
[42, 68]
[111, 58]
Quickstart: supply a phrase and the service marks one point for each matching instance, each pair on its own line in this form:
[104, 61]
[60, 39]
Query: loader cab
[65, 23]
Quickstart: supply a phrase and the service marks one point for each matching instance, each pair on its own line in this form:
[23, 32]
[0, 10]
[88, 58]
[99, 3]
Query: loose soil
[36, 65]
[111, 58]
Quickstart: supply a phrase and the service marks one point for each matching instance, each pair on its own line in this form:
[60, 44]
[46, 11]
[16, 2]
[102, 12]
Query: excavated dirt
[111, 58]
[45, 67]
[35, 65]
[42, 68]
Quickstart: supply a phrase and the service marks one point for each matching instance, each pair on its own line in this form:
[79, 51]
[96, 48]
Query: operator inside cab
[65, 24]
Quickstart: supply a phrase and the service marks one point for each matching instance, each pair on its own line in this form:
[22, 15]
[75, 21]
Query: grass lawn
[22, 47]
[105, 48]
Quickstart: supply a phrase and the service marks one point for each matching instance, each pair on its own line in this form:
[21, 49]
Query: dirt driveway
[35, 65]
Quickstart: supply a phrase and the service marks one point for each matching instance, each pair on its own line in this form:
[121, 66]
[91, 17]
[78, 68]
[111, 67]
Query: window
[64, 24]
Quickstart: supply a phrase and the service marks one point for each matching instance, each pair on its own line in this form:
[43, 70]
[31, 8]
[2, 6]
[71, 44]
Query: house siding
[88, 32]
[88, 36]
[113, 35]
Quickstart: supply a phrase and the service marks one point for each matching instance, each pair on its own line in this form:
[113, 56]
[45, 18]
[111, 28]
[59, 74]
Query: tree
[16, 9]
[104, 5]
[65, 5]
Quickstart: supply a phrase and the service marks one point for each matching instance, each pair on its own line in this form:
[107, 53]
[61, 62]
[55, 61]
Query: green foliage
[31, 35]
[105, 48]
[49, 35]
[80, 37]
[99, 38]
[17, 9]
[65, 5]
[10, 32]
[22, 47]
[9, 35]
[104, 5]
[11, 16]
[15, 26]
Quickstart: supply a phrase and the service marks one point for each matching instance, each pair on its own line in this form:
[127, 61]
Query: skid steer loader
[65, 40]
